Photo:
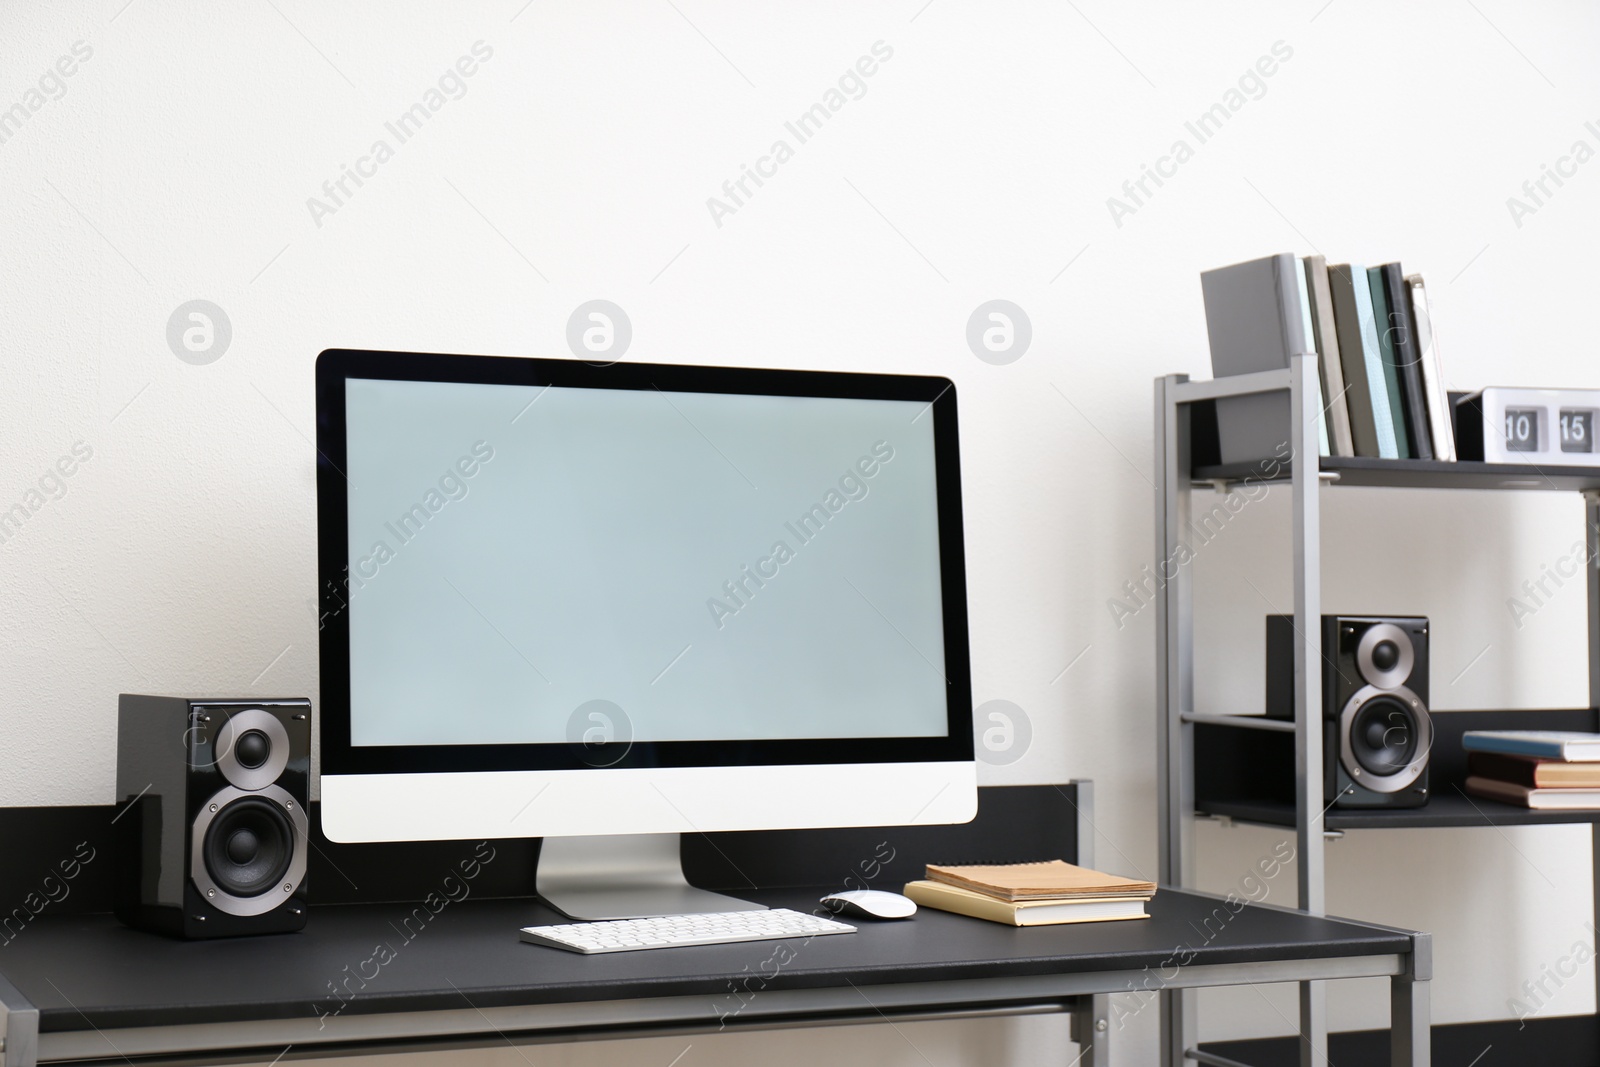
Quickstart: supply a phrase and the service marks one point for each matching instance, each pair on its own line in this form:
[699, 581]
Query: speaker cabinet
[211, 827]
[1377, 731]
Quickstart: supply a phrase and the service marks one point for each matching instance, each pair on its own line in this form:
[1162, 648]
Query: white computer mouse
[870, 904]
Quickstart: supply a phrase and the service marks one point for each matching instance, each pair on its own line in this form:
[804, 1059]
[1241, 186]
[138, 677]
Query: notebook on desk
[1052, 880]
[1050, 912]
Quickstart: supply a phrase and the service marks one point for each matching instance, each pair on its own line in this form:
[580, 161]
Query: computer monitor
[606, 605]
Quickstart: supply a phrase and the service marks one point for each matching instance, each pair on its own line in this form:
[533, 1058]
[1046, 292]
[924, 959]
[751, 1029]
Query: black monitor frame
[339, 756]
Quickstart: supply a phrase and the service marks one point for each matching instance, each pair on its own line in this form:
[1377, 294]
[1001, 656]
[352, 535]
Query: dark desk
[76, 985]
[98, 991]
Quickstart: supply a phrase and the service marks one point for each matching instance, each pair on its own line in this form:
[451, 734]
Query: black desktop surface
[87, 971]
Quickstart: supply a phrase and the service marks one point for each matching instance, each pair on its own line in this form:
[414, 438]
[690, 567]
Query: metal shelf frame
[1175, 479]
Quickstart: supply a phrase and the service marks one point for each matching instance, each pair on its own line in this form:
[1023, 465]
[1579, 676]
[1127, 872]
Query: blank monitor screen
[719, 567]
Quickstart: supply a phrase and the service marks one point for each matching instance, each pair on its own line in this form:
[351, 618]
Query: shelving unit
[1183, 443]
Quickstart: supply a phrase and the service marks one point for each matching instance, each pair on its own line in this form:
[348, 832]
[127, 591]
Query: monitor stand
[629, 876]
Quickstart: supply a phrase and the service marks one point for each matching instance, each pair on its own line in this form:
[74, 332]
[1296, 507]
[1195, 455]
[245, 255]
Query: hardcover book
[1388, 365]
[1534, 772]
[1537, 799]
[1329, 357]
[1570, 745]
[1351, 285]
[1439, 420]
[1408, 362]
[1353, 361]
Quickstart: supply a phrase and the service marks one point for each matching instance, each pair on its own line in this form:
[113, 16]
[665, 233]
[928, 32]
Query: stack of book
[1545, 769]
[1032, 894]
[1381, 382]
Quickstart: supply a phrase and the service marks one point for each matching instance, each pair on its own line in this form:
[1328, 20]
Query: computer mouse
[870, 904]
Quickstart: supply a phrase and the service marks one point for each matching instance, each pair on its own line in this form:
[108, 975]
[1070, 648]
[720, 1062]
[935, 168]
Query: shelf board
[1444, 809]
[1550, 1041]
[1420, 474]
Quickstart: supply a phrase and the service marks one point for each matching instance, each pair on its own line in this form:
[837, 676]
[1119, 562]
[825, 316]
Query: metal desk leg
[1408, 1022]
[1091, 1016]
[1313, 1024]
[1180, 1028]
[19, 1028]
[1410, 1043]
[1091, 1029]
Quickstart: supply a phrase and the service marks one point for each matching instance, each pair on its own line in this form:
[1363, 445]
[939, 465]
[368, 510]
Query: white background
[977, 166]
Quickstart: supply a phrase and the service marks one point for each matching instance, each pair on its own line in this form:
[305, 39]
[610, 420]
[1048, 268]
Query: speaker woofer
[1383, 735]
[1384, 738]
[248, 847]
[248, 851]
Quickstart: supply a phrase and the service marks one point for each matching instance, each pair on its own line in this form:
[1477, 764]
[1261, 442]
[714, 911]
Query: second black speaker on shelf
[211, 830]
[1377, 731]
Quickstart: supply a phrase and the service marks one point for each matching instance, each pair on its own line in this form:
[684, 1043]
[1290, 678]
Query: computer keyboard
[672, 931]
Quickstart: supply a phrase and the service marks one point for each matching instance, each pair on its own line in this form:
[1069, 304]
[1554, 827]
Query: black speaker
[1377, 734]
[211, 827]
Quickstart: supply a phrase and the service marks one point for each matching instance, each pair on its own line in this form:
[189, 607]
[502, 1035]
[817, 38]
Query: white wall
[178, 163]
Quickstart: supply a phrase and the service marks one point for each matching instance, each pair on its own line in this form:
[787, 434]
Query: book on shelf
[1049, 880]
[1572, 746]
[1303, 298]
[1389, 363]
[1529, 797]
[1408, 368]
[1534, 772]
[943, 897]
[1325, 333]
[1379, 382]
[1440, 421]
[1353, 349]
